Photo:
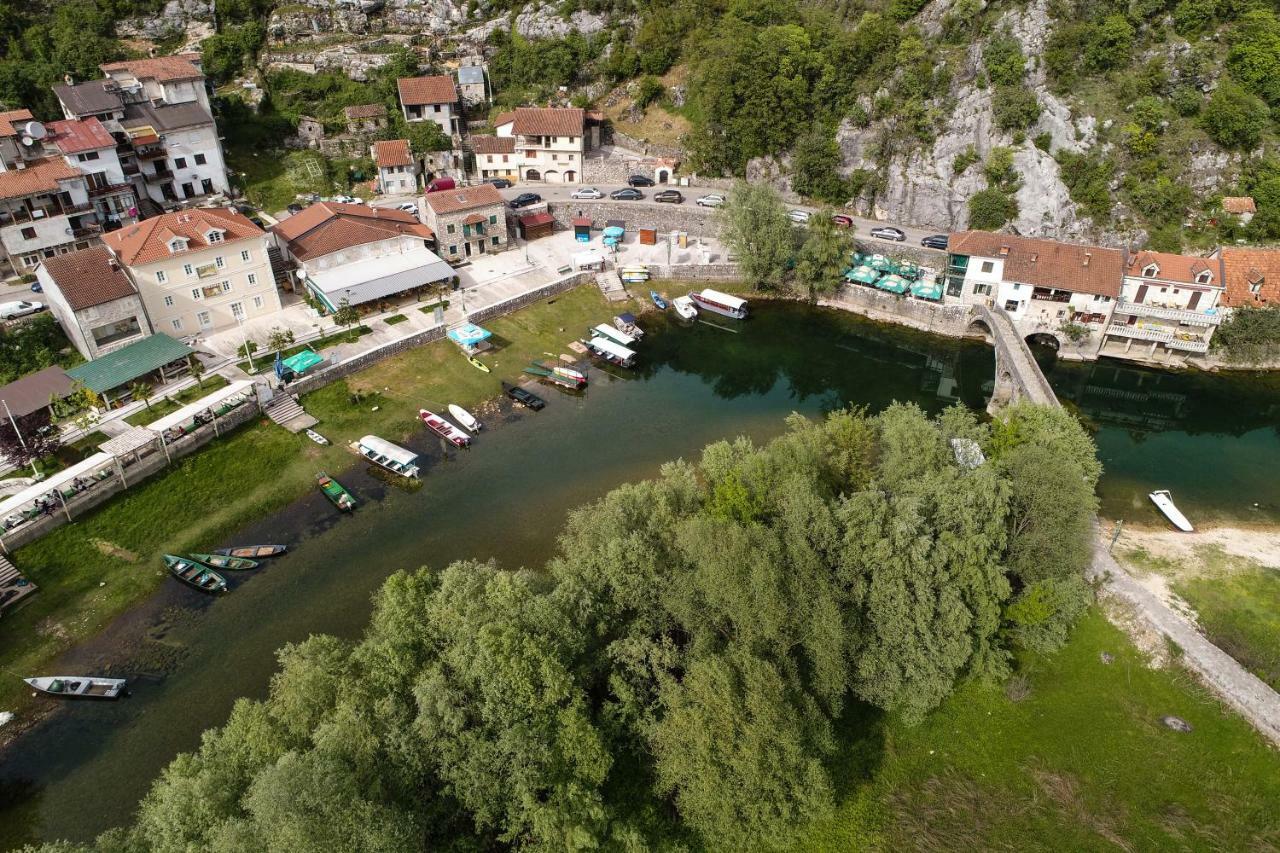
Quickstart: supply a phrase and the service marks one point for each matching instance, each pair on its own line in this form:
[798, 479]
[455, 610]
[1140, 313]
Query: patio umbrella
[468, 335]
[863, 275]
[614, 231]
[893, 284]
[927, 290]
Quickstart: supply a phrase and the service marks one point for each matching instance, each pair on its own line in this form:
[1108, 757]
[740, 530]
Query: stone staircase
[288, 413]
[610, 284]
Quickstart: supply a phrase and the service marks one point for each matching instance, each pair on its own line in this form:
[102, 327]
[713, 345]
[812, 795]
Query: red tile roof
[365, 111]
[437, 89]
[1047, 263]
[165, 69]
[1183, 269]
[40, 176]
[393, 152]
[493, 144]
[1249, 268]
[73, 137]
[89, 277]
[504, 118]
[463, 198]
[148, 240]
[1239, 204]
[12, 119]
[331, 227]
[548, 121]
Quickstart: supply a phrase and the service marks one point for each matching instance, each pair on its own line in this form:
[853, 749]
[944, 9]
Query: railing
[86, 231]
[1193, 318]
[152, 154]
[108, 189]
[1189, 344]
[22, 214]
[1140, 334]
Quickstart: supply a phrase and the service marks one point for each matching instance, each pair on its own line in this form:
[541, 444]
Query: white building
[397, 172]
[94, 300]
[86, 144]
[549, 142]
[1168, 308]
[433, 98]
[44, 212]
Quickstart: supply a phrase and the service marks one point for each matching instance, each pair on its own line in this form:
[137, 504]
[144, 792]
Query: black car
[934, 241]
[525, 398]
[524, 200]
[500, 183]
[243, 209]
[639, 181]
[294, 209]
[626, 194]
[669, 196]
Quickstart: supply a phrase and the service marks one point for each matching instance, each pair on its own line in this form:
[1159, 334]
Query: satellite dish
[35, 130]
[28, 141]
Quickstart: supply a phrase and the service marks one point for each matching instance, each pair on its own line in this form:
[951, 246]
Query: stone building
[365, 118]
[473, 86]
[94, 301]
[467, 221]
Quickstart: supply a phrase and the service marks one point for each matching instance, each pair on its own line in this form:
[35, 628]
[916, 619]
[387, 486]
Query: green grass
[394, 319]
[264, 362]
[91, 571]
[431, 309]
[161, 406]
[1082, 763]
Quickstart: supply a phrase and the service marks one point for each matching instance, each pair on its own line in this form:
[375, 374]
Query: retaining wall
[359, 362]
[951, 320]
[515, 303]
[694, 221]
[694, 272]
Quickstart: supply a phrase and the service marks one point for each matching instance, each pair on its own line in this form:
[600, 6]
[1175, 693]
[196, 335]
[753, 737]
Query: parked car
[626, 194]
[346, 199]
[500, 183]
[842, 220]
[243, 209]
[524, 200]
[10, 310]
[800, 217]
[294, 209]
[885, 232]
[37, 288]
[259, 221]
[669, 196]
[934, 241]
[408, 207]
[441, 184]
[712, 200]
[639, 181]
[586, 193]
[525, 398]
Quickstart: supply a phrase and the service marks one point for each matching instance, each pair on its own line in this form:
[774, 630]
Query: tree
[26, 439]
[990, 209]
[279, 339]
[1234, 118]
[346, 316]
[1015, 107]
[756, 227]
[823, 255]
[1254, 55]
[197, 368]
[142, 390]
[425, 137]
[1051, 511]
[815, 167]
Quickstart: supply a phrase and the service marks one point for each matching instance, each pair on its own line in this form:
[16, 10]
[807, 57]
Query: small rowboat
[562, 376]
[684, 307]
[1164, 502]
[658, 300]
[444, 428]
[222, 561]
[316, 437]
[477, 363]
[253, 552]
[195, 575]
[462, 416]
[334, 491]
[77, 686]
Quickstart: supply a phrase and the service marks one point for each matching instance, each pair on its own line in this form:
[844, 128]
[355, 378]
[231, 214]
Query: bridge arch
[1018, 376]
[1045, 339]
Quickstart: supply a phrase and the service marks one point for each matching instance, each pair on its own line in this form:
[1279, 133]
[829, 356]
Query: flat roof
[380, 277]
[124, 365]
[208, 401]
[32, 393]
[54, 481]
[394, 452]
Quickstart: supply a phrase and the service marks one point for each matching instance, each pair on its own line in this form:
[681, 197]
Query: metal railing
[1182, 315]
[1139, 333]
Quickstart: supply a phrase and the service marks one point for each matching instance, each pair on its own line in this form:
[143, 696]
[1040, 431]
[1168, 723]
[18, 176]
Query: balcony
[41, 212]
[1189, 344]
[1191, 318]
[108, 189]
[1140, 334]
[152, 153]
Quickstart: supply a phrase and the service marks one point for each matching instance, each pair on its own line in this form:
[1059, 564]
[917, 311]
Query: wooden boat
[616, 335]
[316, 437]
[462, 416]
[627, 323]
[252, 552]
[334, 491]
[477, 363]
[222, 561]
[684, 307]
[658, 300]
[195, 575]
[564, 377]
[1164, 502]
[77, 686]
[720, 303]
[444, 428]
[388, 455]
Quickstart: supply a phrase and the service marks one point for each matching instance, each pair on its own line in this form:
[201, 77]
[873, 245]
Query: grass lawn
[161, 406]
[213, 492]
[1082, 763]
[394, 319]
[264, 361]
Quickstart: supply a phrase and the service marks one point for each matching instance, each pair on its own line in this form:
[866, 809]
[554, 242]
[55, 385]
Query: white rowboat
[77, 686]
[1164, 502]
[316, 437]
[462, 416]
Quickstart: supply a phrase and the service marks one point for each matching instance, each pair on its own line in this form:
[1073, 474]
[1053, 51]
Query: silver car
[713, 200]
[588, 193]
[799, 217]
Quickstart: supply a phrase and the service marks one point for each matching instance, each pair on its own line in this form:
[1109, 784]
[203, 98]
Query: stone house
[365, 118]
[473, 86]
[397, 171]
[1251, 277]
[310, 131]
[94, 301]
[433, 98]
[549, 142]
[1242, 206]
[467, 221]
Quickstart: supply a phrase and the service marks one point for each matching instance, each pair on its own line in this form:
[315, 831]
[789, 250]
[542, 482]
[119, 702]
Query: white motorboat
[462, 416]
[393, 457]
[444, 428]
[616, 335]
[316, 437]
[1164, 502]
[77, 686]
[684, 307]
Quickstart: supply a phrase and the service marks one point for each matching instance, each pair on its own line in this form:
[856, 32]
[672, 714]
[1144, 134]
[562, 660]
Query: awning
[209, 401]
[926, 290]
[531, 220]
[468, 335]
[367, 280]
[94, 463]
[303, 361]
[33, 392]
[475, 219]
[614, 231]
[863, 275]
[893, 284]
[125, 365]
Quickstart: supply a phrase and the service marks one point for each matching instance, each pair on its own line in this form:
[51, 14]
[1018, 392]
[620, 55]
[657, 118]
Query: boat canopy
[733, 303]
[394, 452]
[628, 318]
[612, 348]
[468, 335]
[614, 334]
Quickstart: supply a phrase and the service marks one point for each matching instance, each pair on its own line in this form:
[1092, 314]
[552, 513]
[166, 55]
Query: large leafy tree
[754, 224]
[823, 256]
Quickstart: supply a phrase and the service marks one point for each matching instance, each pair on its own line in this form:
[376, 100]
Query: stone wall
[365, 359]
[615, 167]
[694, 272]
[515, 303]
[952, 320]
[651, 149]
[695, 221]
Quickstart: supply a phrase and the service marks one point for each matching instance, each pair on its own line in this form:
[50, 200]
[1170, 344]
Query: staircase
[610, 284]
[288, 413]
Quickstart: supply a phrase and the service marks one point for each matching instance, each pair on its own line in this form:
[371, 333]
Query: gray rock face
[542, 21]
[345, 59]
[174, 19]
[1044, 204]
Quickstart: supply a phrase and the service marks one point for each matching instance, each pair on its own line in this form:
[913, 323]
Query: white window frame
[257, 302]
[168, 302]
[176, 322]
[189, 270]
[252, 278]
[205, 319]
[161, 277]
[237, 310]
[226, 286]
[245, 255]
[195, 294]
[219, 262]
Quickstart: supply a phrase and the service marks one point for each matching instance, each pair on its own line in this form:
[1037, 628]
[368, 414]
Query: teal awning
[893, 284]
[926, 290]
[125, 365]
[863, 275]
[303, 361]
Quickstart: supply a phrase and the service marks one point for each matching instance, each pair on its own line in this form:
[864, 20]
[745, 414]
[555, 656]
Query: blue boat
[658, 300]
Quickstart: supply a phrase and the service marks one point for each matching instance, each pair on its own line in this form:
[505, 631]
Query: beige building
[397, 171]
[495, 157]
[549, 142]
[467, 221]
[433, 98]
[198, 270]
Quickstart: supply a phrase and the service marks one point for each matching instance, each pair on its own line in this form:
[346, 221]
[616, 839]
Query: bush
[990, 209]
[1015, 107]
[1088, 180]
[1233, 118]
[1250, 335]
[1003, 59]
[1186, 101]
[1192, 17]
[648, 90]
[965, 159]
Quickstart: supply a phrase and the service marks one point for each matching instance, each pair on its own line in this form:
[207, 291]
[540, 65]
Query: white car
[408, 207]
[800, 217]
[10, 310]
[713, 200]
[586, 193]
[347, 199]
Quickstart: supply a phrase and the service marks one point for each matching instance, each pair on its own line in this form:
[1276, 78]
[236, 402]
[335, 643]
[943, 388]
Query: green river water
[1213, 440]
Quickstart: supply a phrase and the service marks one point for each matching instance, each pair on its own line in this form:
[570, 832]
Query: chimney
[1004, 251]
[1087, 256]
[1034, 255]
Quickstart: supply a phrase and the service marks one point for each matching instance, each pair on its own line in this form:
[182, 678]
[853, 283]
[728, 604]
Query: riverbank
[92, 571]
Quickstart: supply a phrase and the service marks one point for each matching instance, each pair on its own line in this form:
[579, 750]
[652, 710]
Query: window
[1164, 290]
[161, 276]
[554, 157]
[571, 157]
[1175, 291]
[177, 245]
[245, 256]
[203, 319]
[226, 287]
[988, 266]
[1011, 305]
[504, 158]
[195, 294]
[218, 261]
[179, 162]
[449, 229]
[252, 278]
[28, 233]
[237, 310]
[215, 236]
[1205, 277]
[435, 108]
[495, 241]
[200, 159]
[168, 302]
[177, 324]
[493, 220]
[1255, 287]
[189, 270]
[257, 302]
[453, 250]
[1151, 270]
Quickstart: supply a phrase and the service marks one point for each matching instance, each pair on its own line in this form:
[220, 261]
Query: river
[1212, 440]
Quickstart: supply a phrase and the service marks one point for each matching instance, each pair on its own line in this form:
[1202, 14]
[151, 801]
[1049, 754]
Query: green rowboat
[334, 491]
[195, 575]
[221, 561]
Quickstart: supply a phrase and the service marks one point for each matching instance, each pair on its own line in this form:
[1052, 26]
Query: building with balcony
[198, 270]
[1168, 309]
[397, 171]
[86, 145]
[94, 300]
[360, 255]
[44, 212]
[467, 221]
[433, 98]
[549, 143]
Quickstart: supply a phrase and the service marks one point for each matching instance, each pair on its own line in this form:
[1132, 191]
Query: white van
[10, 310]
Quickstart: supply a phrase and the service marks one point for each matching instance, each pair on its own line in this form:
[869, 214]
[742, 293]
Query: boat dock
[13, 586]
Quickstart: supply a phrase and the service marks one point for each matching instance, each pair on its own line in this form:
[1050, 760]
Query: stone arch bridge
[1018, 376]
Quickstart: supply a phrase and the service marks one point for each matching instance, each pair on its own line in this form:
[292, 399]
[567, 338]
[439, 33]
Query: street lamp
[244, 336]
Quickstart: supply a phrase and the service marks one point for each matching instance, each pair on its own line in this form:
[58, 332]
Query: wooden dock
[13, 586]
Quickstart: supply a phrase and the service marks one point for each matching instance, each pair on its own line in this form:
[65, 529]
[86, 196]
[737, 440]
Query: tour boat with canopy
[387, 455]
[616, 335]
[611, 351]
[720, 303]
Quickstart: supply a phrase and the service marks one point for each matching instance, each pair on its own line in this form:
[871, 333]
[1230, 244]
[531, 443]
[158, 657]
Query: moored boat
[610, 351]
[443, 428]
[388, 455]
[465, 418]
[253, 552]
[222, 561]
[627, 323]
[684, 307]
[334, 491]
[195, 575]
[478, 364]
[720, 303]
[315, 436]
[564, 377]
[616, 335]
[77, 686]
[658, 300]
[1164, 502]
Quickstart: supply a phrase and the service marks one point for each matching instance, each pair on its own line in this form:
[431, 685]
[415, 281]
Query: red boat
[444, 429]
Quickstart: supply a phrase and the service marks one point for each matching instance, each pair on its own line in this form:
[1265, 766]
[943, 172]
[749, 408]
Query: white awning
[376, 278]
[730, 302]
[208, 401]
[612, 348]
[607, 331]
[94, 463]
[394, 452]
